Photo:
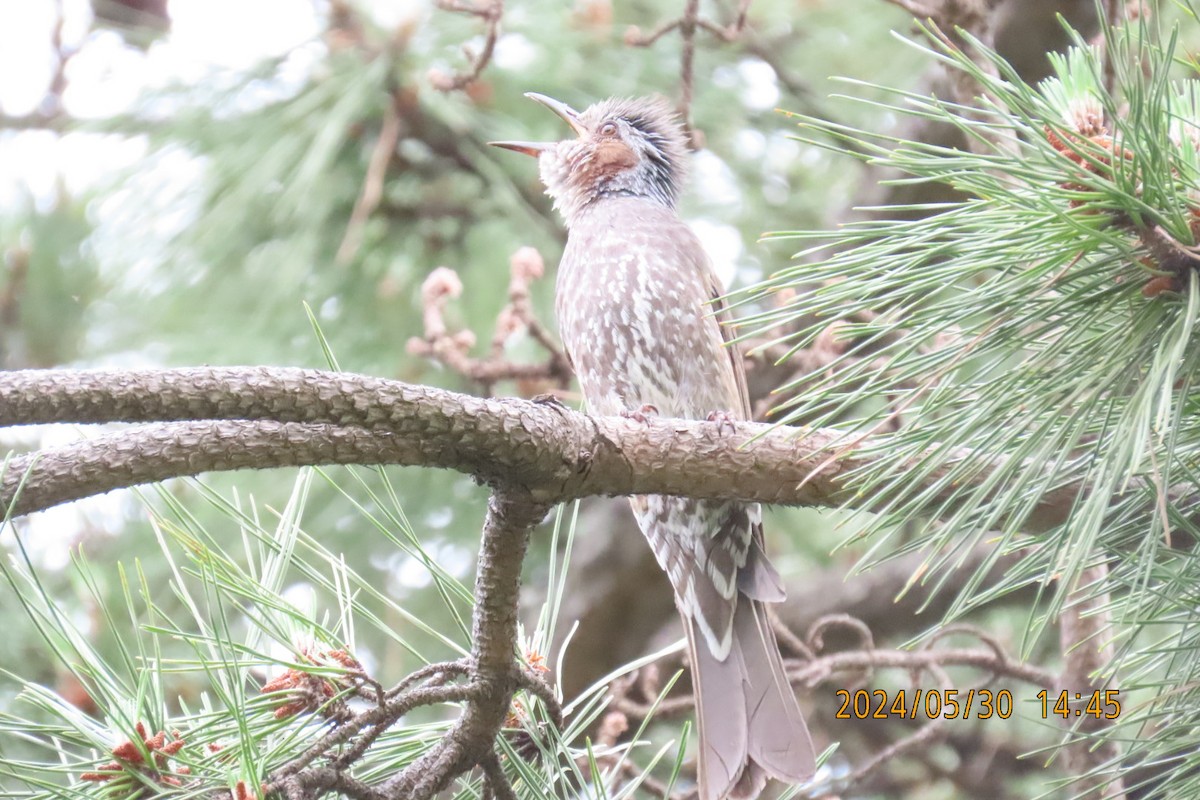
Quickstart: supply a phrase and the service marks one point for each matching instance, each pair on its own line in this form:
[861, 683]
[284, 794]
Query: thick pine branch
[257, 417]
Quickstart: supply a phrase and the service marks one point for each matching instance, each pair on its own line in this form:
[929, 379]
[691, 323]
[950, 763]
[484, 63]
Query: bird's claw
[641, 414]
[549, 399]
[725, 421]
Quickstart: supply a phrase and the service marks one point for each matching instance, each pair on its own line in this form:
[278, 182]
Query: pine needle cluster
[1036, 339]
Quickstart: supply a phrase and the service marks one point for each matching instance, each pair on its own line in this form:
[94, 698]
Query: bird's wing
[720, 311]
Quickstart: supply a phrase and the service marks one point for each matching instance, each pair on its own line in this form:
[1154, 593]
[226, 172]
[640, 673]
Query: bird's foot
[549, 399]
[725, 421]
[642, 414]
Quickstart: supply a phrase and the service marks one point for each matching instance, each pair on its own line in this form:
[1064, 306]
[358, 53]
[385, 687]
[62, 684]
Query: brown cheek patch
[611, 158]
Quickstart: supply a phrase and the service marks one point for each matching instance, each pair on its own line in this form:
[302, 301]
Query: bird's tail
[750, 723]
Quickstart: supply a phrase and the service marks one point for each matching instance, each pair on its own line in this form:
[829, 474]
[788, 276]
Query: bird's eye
[608, 129]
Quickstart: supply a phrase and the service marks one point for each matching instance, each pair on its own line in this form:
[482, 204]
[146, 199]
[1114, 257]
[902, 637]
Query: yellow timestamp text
[1098, 704]
[929, 703]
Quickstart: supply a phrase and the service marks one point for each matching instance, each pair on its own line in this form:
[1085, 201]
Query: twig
[496, 782]
[34, 121]
[814, 672]
[377, 729]
[665, 709]
[491, 12]
[687, 67]
[537, 686]
[815, 638]
[372, 189]
[927, 733]
[789, 640]
[525, 266]
[811, 671]
[384, 716]
[733, 30]
[953, 23]
[440, 669]
[52, 103]
[687, 24]
[494, 677]
[17, 262]
[49, 114]
[453, 349]
[992, 642]
[322, 780]
[635, 38]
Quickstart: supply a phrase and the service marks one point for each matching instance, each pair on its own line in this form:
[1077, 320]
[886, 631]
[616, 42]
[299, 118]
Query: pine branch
[491, 12]
[291, 417]
[177, 449]
[494, 675]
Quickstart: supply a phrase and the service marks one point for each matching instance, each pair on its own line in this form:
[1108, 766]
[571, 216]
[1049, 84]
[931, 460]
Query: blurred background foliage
[159, 209]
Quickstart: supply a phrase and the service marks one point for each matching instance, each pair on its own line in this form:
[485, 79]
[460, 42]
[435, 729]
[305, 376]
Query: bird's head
[633, 147]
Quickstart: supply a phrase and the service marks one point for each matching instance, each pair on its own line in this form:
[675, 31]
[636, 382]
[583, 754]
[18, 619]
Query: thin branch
[815, 640]
[926, 734]
[635, 38]
[16, 263]
[372, 189]
[824, 667]
[494, 676]
[813, 670]
[687, 24]
[441, 670]
[35, 121]
[664, 709]
[385, 715]
[332, 780]
[396, 694]
[453, 348]
[537, 686]
[52, 103]
[687, 61]
[954, 23]
[525, 266]
[734, 29]
[491, 12]
[497, 781]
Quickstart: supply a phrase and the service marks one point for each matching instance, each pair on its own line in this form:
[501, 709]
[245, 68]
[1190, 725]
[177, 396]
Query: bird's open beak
[568, 114]
[535, 149]
[528, 148]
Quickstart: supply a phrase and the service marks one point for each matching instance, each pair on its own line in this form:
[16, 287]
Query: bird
[642, 319]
